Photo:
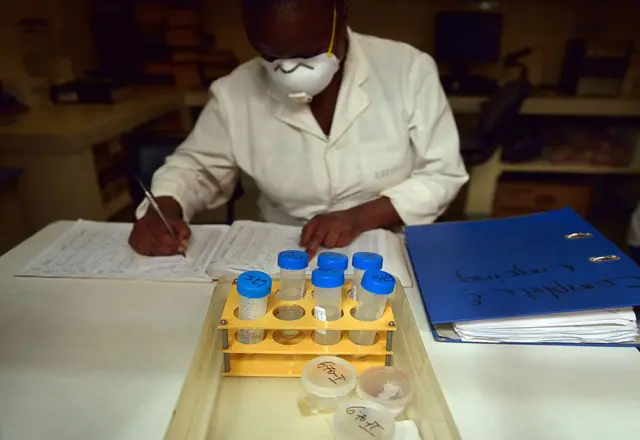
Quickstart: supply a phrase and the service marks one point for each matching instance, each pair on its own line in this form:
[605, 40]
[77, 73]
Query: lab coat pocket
[385, 164]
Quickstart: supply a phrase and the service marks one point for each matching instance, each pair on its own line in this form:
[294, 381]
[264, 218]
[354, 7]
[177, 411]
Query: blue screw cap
[293, 260]
[254, 285]
[378, 282]
[327, 278]
[367, 261]
[333, 260]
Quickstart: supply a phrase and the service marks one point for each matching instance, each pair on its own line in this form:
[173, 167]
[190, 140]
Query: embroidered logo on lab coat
[387, 172]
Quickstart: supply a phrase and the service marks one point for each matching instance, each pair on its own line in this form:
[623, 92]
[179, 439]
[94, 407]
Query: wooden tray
[213, 407]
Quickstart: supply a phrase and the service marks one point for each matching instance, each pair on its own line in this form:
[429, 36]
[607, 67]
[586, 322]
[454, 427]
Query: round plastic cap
[367, 261]
[333, 260]
[254, 285]
[329, 376]
[327, 278]
[293, 260]
[378, 282]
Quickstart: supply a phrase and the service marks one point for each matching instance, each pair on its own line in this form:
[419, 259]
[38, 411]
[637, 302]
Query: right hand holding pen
[150, 236]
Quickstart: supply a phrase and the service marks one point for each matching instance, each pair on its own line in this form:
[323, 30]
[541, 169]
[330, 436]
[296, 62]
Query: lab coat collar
[352, 99]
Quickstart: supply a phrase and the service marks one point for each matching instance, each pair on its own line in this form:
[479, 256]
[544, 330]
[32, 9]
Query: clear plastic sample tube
[327, 284]
[362, 262]
[376, 288]
[254, 289]
[293, 267]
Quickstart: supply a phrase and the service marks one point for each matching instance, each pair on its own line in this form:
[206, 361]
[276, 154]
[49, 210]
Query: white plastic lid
[387, 386]
[329, 376]
[363, 420]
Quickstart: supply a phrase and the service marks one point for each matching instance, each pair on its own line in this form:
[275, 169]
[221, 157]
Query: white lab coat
[393, 135]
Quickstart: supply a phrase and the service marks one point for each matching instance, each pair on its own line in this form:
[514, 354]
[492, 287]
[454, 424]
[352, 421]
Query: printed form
[100, 250]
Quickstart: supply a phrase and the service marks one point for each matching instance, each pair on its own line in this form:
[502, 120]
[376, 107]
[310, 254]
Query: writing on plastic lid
[378, 282]
[334, 374]
[293, 260]
[327, 278]
[333, 260]
[329, 376]
[367, 261]
[365, 420]
[254, 284]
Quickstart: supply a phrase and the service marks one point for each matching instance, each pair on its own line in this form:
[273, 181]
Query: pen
[153, 202]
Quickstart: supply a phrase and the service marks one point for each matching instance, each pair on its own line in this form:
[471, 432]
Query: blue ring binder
[547, 263]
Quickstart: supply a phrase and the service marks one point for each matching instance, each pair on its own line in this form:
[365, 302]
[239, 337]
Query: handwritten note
[255, 279]
[366, 421]
[515, 271]
[100, 250]
[532, 289]
[255, 246]
[331, 371]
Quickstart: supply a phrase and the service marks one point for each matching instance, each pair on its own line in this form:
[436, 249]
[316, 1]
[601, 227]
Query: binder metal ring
[578, 235]
[604, 259]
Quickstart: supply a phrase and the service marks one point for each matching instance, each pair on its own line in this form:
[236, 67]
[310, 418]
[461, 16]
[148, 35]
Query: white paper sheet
[255, 246]
[100, 250]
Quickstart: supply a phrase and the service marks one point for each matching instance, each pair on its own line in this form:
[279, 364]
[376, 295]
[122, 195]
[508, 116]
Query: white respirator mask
[303, 78]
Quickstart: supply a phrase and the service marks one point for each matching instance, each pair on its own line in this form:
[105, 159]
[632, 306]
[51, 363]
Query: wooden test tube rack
[277, 356]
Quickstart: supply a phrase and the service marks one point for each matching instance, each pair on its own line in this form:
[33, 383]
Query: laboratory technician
[342, 132]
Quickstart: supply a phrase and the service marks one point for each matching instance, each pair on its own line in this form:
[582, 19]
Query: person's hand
[150, 236]
[331, 230]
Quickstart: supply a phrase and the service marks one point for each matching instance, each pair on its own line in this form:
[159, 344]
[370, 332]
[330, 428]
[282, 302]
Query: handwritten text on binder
[514, 271]
[554, 288]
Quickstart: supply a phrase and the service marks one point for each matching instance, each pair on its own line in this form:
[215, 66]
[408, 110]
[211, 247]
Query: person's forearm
[377, 214]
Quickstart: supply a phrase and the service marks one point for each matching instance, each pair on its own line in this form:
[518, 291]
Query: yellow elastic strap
[333, 32]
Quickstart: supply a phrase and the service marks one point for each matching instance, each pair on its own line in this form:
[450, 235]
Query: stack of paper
[600, 326]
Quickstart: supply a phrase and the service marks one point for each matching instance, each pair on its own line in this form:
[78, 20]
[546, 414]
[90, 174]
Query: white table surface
[518, 392]
[92, 360]
[106, 360]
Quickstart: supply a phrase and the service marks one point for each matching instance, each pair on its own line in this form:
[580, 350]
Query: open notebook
[100, 250]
